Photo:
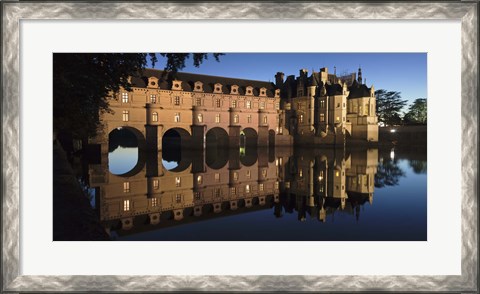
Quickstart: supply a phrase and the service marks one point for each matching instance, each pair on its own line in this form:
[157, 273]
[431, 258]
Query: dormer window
[152, 82]
[198, 87]
[217, 88]
[234, 89]
[263, 92]
[177, 85]
[277, 93]
[249, 91]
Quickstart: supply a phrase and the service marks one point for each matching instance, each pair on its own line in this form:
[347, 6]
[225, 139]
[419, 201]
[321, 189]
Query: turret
[279, 79]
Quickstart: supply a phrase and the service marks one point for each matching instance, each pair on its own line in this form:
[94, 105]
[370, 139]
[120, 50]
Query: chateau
[199, 110]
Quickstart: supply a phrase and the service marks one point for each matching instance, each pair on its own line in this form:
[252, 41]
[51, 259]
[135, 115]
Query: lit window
[277, 105]
[126, 205]
[322, 104]
[287, 185]
[249, 119]
[233, 190]
[217, 118]
[322, 117]
[265, 119]
[126, 187]
[153, 98]
[155, 184]
[199, 180]
[338, 118]
[262, 105]
[249, 175]
[125, 97]
[247, 189]
[154, 202]
[176, 100]
[277, 184]
[200, 118]
[217, 177]
[235, 118]
[301, 118]
[154, 116]
[264, 172]
[337, 173]
[198, 101]
[178, 198]
[234, 103]
[300, 173]
[178, 182]
[280, 130]
[125, 115]
[235, 176]
[260, 187]
[249, 104]
[217, 103]
[177, 117]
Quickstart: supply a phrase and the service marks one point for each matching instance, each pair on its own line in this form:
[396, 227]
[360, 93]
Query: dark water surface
[256, 194]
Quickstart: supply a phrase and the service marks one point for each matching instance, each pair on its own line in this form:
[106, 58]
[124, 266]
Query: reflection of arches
[216, 137]
[248, 155]
[128, 137]
[248, 137]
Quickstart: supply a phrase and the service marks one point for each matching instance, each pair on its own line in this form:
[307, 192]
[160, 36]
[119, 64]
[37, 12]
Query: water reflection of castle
[219, 182]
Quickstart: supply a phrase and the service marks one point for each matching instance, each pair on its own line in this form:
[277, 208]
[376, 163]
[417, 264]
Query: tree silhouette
[389, 106]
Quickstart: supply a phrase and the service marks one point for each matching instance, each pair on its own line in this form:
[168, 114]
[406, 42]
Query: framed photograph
[229, 146]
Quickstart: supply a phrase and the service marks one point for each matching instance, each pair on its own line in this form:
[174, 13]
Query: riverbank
[73, 217]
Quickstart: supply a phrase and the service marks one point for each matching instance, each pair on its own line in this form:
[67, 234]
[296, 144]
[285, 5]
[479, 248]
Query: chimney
[279, 79]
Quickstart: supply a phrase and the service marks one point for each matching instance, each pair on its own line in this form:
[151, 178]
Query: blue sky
[402, 72]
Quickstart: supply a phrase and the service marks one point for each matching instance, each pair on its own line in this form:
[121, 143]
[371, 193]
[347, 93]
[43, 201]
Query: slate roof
[189, 79]
[358, 90]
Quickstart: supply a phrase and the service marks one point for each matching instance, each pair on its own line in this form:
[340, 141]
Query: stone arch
[216, 153]
[140, 144]
[248, 137]
[174, 143]
[217, 137]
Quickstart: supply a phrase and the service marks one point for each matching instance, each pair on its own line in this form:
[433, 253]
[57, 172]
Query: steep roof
[358, 90]
[189, 79]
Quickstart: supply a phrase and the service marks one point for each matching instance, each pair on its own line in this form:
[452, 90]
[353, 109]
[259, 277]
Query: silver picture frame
[14, 12]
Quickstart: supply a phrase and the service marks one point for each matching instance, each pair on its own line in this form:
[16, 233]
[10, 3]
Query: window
[198, 101]
[178, 182]
[154, 116]
[154, 202]
[234, 103]
[178, 198]
[338, 105]
[217, 177]
[343, 118]
[126, 187]
[249, 175]
[322, 117]
[176, 100]
[343, 104]
[247, 189]
[300, 173]
[300, 93]
[265, 119]
[153, 98]
[126, 205]
[199, 180]
[322, 104]
[249, 119]
[277, 105]
[301, 118]
[277, 184]
[197, 195]
[217, 117]
[125, 115]
[125, 97]
[218, 193]
[264, 172]
[217, 102]
[280, 130]
[260, 187]
[235, 118]
[177, 117]
[262, 105]
[338, 118]
[200, 118]
[155, 184]
[337, 173]
[233, 191]
[249, 104]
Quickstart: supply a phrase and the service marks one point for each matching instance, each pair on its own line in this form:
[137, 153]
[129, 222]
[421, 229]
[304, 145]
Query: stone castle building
[199, 110]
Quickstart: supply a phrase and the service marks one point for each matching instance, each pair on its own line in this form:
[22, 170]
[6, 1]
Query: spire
[359, 75]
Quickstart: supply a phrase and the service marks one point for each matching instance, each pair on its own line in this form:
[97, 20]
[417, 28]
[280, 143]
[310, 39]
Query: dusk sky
[402, 72]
